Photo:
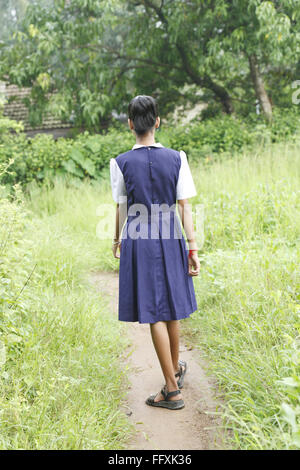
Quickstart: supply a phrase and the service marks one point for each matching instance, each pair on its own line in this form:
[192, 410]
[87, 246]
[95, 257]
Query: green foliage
[87, 155]
[7, 125]
[60, 377]
[12, 11]
[96, 55]
[62, 43]
[42, 157]
[247, 321]
[226, 135]
[217, 135]
[57, 339]
[291, 386]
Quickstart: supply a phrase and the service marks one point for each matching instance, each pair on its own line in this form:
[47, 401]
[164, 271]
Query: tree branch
[129, 57]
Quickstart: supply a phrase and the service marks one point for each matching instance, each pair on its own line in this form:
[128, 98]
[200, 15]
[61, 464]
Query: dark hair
[143, 111]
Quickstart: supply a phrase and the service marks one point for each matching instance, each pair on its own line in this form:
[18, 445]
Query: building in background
[15, 108]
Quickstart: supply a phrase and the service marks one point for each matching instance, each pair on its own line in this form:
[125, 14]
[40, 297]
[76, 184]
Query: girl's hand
[194, 264]
[115, 248]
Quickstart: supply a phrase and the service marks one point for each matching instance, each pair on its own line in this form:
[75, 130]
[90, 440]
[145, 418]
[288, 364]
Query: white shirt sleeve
[185, 185]
[117, 182]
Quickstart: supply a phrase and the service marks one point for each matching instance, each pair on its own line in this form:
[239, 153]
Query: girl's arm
[119, 222]
[185, 213]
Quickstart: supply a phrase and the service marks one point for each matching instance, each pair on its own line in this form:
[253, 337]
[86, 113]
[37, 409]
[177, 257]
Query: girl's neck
[145, 140]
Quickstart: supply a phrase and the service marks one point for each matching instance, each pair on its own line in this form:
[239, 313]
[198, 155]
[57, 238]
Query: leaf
[32, 30]
[89, 167]
[93, 145]
[77, 155]
[43, 80]
[71, 167]
[85, 163]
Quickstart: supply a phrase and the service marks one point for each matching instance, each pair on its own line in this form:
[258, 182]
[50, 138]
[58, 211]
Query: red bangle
[190, 252]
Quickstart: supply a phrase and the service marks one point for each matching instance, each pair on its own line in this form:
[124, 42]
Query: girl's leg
[173, 330]
[161, 342]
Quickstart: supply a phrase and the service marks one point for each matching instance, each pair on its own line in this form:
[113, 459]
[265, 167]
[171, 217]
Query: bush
[216, 135]
[247, 320]
[86, 156]
[42, 157]
[58, 339]
[226, 134]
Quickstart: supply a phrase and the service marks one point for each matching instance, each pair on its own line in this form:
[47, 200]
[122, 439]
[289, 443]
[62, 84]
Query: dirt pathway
[160, 429]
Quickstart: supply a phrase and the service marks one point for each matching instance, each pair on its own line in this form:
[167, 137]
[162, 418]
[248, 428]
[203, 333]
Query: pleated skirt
[154, 284]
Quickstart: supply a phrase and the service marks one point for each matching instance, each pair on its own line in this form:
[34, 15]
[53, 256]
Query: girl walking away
[156, 267]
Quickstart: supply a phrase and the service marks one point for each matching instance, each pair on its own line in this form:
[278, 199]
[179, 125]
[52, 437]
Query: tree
[51, 53]
[266, 34]
[176, 36]
[85, 58]
[91, 52]
[216, 45]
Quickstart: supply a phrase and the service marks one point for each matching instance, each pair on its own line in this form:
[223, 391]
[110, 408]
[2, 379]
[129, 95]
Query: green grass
[61, 380]
[249, 293]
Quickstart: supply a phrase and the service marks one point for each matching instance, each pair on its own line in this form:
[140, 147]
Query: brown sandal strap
[178, 374]
[172, 394]
[167, 395]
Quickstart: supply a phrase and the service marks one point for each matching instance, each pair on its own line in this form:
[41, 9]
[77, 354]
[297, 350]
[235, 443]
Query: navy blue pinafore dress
[154, 284]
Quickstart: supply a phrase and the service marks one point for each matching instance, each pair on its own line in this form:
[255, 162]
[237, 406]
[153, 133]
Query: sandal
[181, 373]
[166, 403]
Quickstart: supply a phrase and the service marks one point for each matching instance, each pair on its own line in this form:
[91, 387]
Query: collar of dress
[137, 146]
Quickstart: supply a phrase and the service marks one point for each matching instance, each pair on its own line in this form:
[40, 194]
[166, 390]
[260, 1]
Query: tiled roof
[15, 108]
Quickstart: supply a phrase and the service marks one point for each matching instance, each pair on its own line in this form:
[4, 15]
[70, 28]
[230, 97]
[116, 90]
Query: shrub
[41, 157]
[87, 155]
[224, 134]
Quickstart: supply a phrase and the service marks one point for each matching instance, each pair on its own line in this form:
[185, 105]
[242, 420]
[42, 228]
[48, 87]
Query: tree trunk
[220, 92]
[259, 87]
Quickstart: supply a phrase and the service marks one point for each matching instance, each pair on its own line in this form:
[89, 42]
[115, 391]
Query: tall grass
[249, 293]
[61, 350]
[61, 377]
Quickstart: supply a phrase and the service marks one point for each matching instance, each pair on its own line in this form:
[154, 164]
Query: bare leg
[173, 330]
[161, 342]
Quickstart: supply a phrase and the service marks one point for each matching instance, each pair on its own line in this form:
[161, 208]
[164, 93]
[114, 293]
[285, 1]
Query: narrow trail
[191, 428]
